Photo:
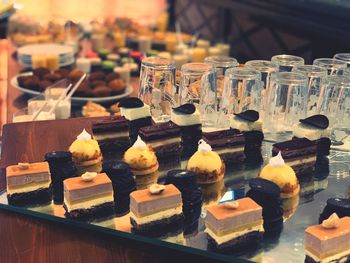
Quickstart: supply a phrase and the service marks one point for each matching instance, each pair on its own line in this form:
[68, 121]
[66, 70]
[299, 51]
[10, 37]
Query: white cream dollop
[140, 144]
[84, 136]
[277, 160]
[88, 176]
[203, 146]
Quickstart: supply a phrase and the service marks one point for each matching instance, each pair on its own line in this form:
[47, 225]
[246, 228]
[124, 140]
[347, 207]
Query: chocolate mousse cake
[165, 139]
[89, 198]
[250, 124]
[315, 128]
[229, 144]
[157, 211]
[137, 113]
[329, 241]
[340, 206]
[233, 226]
[299, 153]
[187, 117]
[28, 184]
[112, 134]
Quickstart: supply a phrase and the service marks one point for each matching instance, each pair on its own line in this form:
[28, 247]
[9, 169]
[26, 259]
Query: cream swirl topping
[84, 136]
[277, 160]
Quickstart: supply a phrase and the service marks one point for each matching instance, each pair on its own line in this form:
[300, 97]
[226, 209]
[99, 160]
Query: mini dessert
[165, 139]
[329, 241]
[86, 153]
[157, 211]
[112, 134]
[191, 195]
[250, 124]
[315, 128]
[137, 113]
[229, 144]
[28, 184]
[282, 175]
[123, 184]
[207, 164]
[89, 198]
[143, 163]
[188, 118]
[267, 195]
[92, 109]
[61, 167]
[300, 154]
[340, 206]
[234, 225]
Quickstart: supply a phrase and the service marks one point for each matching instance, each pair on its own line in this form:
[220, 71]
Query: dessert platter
[224, 194]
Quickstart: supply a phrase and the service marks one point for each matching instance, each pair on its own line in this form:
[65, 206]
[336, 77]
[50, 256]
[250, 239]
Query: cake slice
[229, 144]
[89, 198]
[112, 133]
[299, 153]
[157, 211]
[137, 113]
[28, 184]
[234, 225]
[329, 241]
[165, 139]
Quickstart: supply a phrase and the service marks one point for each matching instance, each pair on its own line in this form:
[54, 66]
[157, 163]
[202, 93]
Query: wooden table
[27, 239]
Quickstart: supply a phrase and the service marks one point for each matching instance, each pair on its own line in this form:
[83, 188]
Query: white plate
[78, 101]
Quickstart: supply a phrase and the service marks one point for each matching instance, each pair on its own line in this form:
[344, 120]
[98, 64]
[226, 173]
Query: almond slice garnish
[156, 189]
[332, 222]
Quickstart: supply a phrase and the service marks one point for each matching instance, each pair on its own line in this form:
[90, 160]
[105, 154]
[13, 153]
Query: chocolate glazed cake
[165, 139]
[229, 144]
[137, 113]
[299, 153]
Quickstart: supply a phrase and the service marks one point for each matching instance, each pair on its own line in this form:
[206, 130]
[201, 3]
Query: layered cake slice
[329, 241]
[234, 225]
[299, 153]
[89, 198]
[187, 117]
[165, 139]
[112, 134]
[28, 184]
[157, 211]
[250, 124]
[315, 128]
[229, 144]
[137, 113]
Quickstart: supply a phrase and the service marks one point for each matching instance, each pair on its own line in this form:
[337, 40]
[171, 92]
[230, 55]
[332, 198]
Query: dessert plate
[78, 101]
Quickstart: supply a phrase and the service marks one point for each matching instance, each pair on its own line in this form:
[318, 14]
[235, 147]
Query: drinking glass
[343, 57]
[333, 66]
[53, 93]
[286, 101]
[157, 86]
[242, 91]
[315, 76]
[198, 85]
[287, 62]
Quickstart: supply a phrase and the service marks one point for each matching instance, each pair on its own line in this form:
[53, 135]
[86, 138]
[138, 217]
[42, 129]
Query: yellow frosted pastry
[282, 175]
[143, 163]
[207, 164]
[86, 153]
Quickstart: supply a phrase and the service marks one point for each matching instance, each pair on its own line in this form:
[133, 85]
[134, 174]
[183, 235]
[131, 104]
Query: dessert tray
[303, 209]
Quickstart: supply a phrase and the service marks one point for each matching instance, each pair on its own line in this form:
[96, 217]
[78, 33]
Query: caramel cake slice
[165, 139]
[112, 133]
[28, 184]
[329, 241]
[157, 211]
[89, 198]
[229, 144]
[234, 225]
[299, 153]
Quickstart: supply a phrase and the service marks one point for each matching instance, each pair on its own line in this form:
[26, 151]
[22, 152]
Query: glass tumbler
[343, 57]
[286, 101]
[333, 66]
[242, 91]
[287, 62]
[198, 85]
[157, 86]
[316, 76]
